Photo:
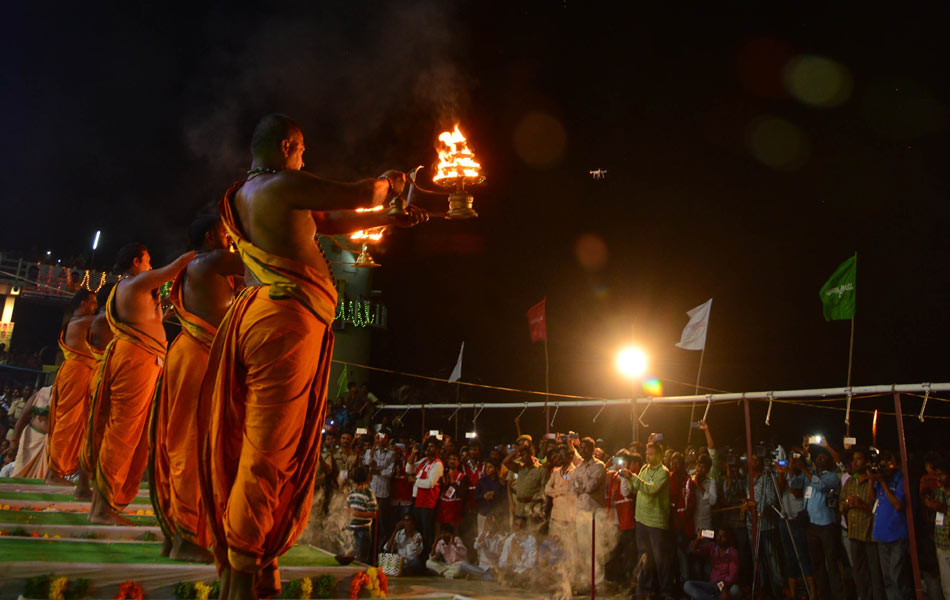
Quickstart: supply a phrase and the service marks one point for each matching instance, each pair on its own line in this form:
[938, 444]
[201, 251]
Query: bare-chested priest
[200, 295]
[129, 375]
[69, 405]
[264, 396]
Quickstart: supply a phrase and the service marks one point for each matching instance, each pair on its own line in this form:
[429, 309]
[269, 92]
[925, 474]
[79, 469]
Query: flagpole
[692, 410]
[547, 391]
[458, 386]
[847, 426]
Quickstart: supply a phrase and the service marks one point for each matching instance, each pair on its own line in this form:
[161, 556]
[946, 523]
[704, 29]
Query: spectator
[453, 494]
[939, 502]
[792, 481]
[857, 497]
[361, 505]
[683, 505]
[345, 459]
[406, 542]
[724, 573]
[763, 505]
[489, 545]
[706, 493]
[489, 493]
[822, 533]
[520, 551]
[380, 461]
[400, 490]
[621, 511]
[447, 554]
[526, 479]
[890, 527]
[425, 489]
[561, 494]
[653, 521]
[588, 485]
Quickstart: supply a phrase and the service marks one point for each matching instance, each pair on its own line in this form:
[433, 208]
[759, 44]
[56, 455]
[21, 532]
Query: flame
[456, 160]
[373, 209]
[373, 234]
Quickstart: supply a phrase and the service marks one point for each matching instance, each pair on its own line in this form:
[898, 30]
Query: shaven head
[207, 233]
[277, 143]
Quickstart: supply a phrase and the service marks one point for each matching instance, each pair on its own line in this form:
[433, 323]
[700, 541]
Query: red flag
[537, 323]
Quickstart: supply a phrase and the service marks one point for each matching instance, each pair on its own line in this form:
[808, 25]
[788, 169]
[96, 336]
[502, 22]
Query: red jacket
[682, 503]
[626, 505]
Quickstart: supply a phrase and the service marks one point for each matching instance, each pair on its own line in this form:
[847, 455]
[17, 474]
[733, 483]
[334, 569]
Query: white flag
[694, 334]
[457, 371]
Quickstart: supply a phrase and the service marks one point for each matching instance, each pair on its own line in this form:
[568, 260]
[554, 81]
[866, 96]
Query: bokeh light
[591, 251]
[653, 387]
[632, 362]
[777, 143]
[818, 81]
[540, 140]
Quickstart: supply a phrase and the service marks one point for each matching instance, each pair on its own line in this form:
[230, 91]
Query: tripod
[758, 534]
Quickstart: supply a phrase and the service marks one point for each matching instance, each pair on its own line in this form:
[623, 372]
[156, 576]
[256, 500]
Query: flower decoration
[130, 590]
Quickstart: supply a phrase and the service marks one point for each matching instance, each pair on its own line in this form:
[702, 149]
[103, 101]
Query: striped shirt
[860, 520]
[361, 501]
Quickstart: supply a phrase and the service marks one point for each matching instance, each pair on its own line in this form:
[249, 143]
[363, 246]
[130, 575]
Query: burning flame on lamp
[456, 160]
[374, 234]
[457, 167]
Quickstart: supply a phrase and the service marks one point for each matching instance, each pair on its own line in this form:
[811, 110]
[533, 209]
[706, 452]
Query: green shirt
[528, 482]
[860, 520]
[653, 497]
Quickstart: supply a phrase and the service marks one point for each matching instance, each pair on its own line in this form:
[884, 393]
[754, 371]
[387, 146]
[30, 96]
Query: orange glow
[456, 160]
[368, 235]
[373, 209]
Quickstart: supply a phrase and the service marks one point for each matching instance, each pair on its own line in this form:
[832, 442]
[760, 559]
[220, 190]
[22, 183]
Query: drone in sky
[599, 173]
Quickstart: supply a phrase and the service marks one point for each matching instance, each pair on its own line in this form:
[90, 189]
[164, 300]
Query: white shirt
[385, 461]
[706, 497]
[528, 558]
[407, 547]
[489, 547]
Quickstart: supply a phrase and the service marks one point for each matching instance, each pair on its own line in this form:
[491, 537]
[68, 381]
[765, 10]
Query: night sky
[747, 156]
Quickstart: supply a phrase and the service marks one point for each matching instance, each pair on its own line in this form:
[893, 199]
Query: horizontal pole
[856, 391]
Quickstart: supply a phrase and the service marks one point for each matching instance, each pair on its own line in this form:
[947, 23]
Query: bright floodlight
[632, 362]
[95, 242]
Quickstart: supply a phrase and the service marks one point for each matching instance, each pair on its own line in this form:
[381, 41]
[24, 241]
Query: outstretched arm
[340, 222]
[303, 190]
[149, 280]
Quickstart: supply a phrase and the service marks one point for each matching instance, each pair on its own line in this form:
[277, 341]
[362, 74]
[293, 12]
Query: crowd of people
[829, 523]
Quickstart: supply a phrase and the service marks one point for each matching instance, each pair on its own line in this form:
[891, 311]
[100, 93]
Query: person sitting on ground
[406, 542]
[489, 545]
[724, 562]
[447, 553]
[362, 507]
[519, 554]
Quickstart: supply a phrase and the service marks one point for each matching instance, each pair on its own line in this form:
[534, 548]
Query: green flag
[344, 383]
[839, 292]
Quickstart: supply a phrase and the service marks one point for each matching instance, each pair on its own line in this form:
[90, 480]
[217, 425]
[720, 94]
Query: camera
[831, 500]
[874, 460]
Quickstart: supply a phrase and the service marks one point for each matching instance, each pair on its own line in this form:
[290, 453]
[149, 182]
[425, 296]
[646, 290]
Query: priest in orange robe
[264, 395]
[68, 409]
[200, 295]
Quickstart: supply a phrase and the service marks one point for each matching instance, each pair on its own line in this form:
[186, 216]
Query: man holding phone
[653, 522]
[380, 461]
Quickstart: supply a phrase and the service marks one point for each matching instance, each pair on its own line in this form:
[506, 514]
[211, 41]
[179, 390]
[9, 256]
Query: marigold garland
[373, 580]
[202, 591]
[306, 588]
[57, 588]
[130, 590]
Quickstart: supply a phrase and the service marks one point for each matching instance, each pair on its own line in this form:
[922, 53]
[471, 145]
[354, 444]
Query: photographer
[762, 504]
[821, 496]
[792, 480]
[890, 527]
[857, 501]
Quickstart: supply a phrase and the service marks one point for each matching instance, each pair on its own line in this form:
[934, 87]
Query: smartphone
[361, 431]
[551, 436]
[709, 534]
[382, 435]
[783, 463]
[435, 432]
[470, 435]
[815, 439]
[438, 437]
[572, 435]
[850, 441]
[659, 437]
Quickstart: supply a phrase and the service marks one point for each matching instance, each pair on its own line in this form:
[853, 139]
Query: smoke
[360, 84]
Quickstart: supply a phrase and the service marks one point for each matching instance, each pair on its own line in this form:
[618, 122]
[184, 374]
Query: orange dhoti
[173, 443]
[68, 415]
[116, 444]
[262, 409]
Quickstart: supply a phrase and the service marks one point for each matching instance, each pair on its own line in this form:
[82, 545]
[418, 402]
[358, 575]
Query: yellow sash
[124, 331]
[192, 324]
[83, 355]
[287, 278]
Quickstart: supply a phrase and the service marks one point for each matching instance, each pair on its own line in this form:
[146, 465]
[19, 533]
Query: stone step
[41, 488]
[74, 507]
[83, 532]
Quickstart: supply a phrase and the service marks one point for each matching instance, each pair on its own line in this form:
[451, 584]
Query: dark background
[132, 118]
